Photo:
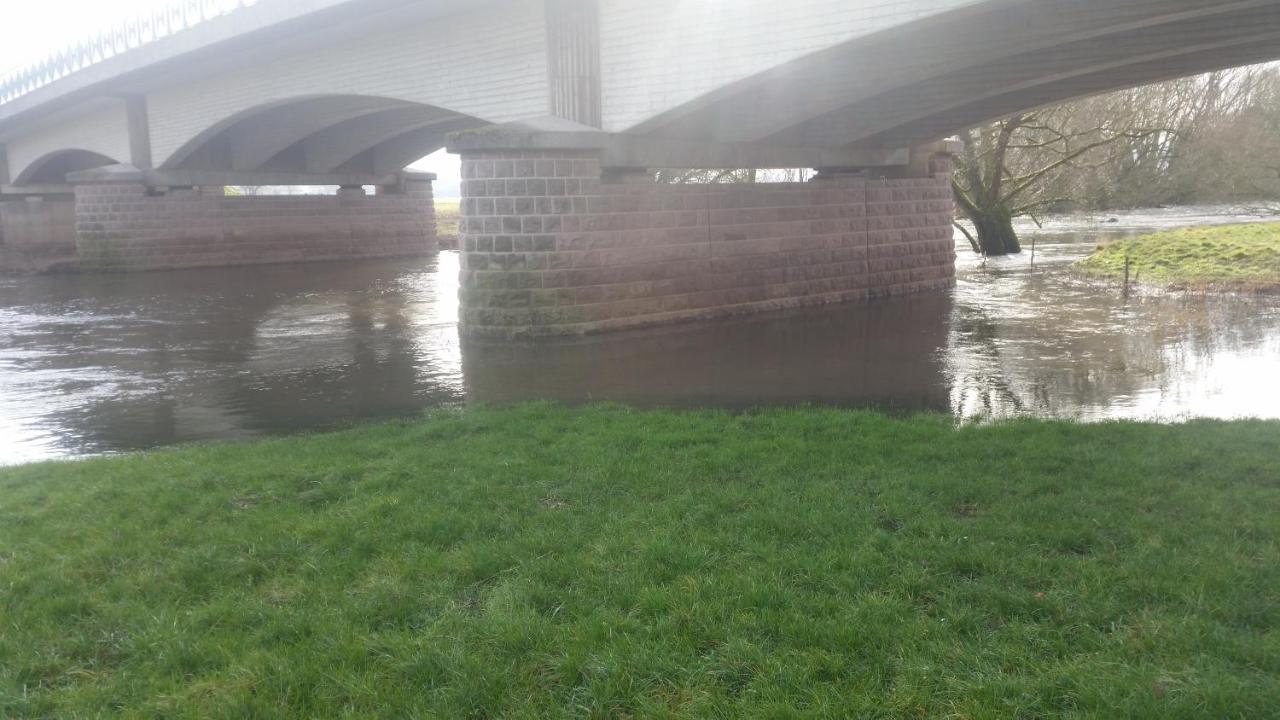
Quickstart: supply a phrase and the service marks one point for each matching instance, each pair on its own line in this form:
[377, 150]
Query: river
[93, 364]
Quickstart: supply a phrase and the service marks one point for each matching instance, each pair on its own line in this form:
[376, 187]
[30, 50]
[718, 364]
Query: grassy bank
[543, 562]
[1234, 257]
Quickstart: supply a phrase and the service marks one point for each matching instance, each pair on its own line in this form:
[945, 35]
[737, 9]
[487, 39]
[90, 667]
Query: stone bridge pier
[37, 232]
[115, 219]
[556, 242]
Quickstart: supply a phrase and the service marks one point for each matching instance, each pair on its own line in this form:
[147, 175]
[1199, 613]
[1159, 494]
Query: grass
[448, 213]
[543, 562]
[1233, 257]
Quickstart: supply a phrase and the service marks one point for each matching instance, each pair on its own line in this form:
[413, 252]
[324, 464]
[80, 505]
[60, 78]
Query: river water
[109, 363]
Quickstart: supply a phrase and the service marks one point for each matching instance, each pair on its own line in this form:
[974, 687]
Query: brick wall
[37, 234]
[548, 248]
[121, 227]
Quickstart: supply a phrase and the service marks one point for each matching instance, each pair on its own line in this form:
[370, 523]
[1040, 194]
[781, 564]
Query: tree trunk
[996, 235]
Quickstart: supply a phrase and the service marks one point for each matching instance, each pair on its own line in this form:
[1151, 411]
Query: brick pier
[551, 248]
[37, 234]
[127, 226]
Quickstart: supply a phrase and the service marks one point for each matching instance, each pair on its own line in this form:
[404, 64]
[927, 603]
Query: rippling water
[94, 364]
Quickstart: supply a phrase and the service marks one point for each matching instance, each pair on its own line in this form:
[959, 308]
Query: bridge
[115, 155]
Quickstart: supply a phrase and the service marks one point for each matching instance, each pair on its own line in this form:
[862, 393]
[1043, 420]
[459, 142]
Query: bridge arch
[321, 134]
[52, 168]
[929, 78]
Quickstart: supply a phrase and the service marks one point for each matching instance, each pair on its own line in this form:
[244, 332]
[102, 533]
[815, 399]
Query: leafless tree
[1165, 143]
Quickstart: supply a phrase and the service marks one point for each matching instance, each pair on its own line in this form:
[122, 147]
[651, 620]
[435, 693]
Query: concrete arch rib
[953, 101]
[274, 136]
[52, 168]
[785, 103]
[339, 144]
[1003, 105]
[401, 150]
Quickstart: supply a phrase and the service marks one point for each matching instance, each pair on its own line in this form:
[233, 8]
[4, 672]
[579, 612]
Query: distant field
[1233, 257]
[542, 562]
[448, 212]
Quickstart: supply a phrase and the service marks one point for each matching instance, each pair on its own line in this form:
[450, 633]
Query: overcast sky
[35, 30]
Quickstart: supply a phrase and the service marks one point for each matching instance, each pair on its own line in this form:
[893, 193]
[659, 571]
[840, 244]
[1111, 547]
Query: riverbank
[448, 216]
[1232, 257]
[548, 562]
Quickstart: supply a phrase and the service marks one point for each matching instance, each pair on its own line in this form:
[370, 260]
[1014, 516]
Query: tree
[1176, 142]
[733, 176]
[1003, 165]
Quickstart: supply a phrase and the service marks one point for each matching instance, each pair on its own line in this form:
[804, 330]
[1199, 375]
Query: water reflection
[103, 363]
[1043, 342]
[883, 355]
[92, 364]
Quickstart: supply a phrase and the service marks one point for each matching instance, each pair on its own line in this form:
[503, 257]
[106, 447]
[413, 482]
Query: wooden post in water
[1033, 251]
[1126, 276]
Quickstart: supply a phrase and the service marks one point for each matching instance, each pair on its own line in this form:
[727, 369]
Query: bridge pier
[554, 244]
[37, 232]
[118, 221]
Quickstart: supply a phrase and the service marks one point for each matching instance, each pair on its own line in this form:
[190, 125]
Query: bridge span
[115, 155]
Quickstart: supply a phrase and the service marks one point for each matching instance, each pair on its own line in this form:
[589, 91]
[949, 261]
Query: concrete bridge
[116, 156]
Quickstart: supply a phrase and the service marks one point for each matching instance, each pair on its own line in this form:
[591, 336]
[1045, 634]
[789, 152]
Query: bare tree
[1174, 142]
[1004, 166]
[739, 176]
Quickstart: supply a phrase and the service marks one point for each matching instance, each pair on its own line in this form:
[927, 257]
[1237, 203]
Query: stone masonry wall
[548, 248]
[123, 227]
[37, 234]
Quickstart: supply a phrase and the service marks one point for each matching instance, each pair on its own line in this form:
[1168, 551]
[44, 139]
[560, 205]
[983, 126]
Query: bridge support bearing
[126, 225]
[551, 248]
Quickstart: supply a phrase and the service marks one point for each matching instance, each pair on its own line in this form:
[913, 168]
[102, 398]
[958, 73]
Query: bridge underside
[928, 79]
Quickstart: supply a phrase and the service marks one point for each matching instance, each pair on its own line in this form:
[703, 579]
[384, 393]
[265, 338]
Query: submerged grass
[1234, 257]
[603, 562]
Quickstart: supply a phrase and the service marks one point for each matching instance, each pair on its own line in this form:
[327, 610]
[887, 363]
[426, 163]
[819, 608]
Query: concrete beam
[191, 178]
[139, 130]
[573, 60]
[634, 151]
[35, 190]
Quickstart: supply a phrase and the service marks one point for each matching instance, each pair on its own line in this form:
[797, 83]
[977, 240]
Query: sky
[49, 26]
[46, 27]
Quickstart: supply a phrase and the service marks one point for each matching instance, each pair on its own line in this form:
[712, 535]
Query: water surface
[96, 364]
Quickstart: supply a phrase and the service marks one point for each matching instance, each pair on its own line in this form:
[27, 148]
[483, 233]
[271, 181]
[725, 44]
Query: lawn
[1233, 257]
[601, 562]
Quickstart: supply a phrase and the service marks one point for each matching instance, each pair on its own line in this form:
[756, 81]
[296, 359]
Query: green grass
[1235, 257]
[544, 562]
[448, 213]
